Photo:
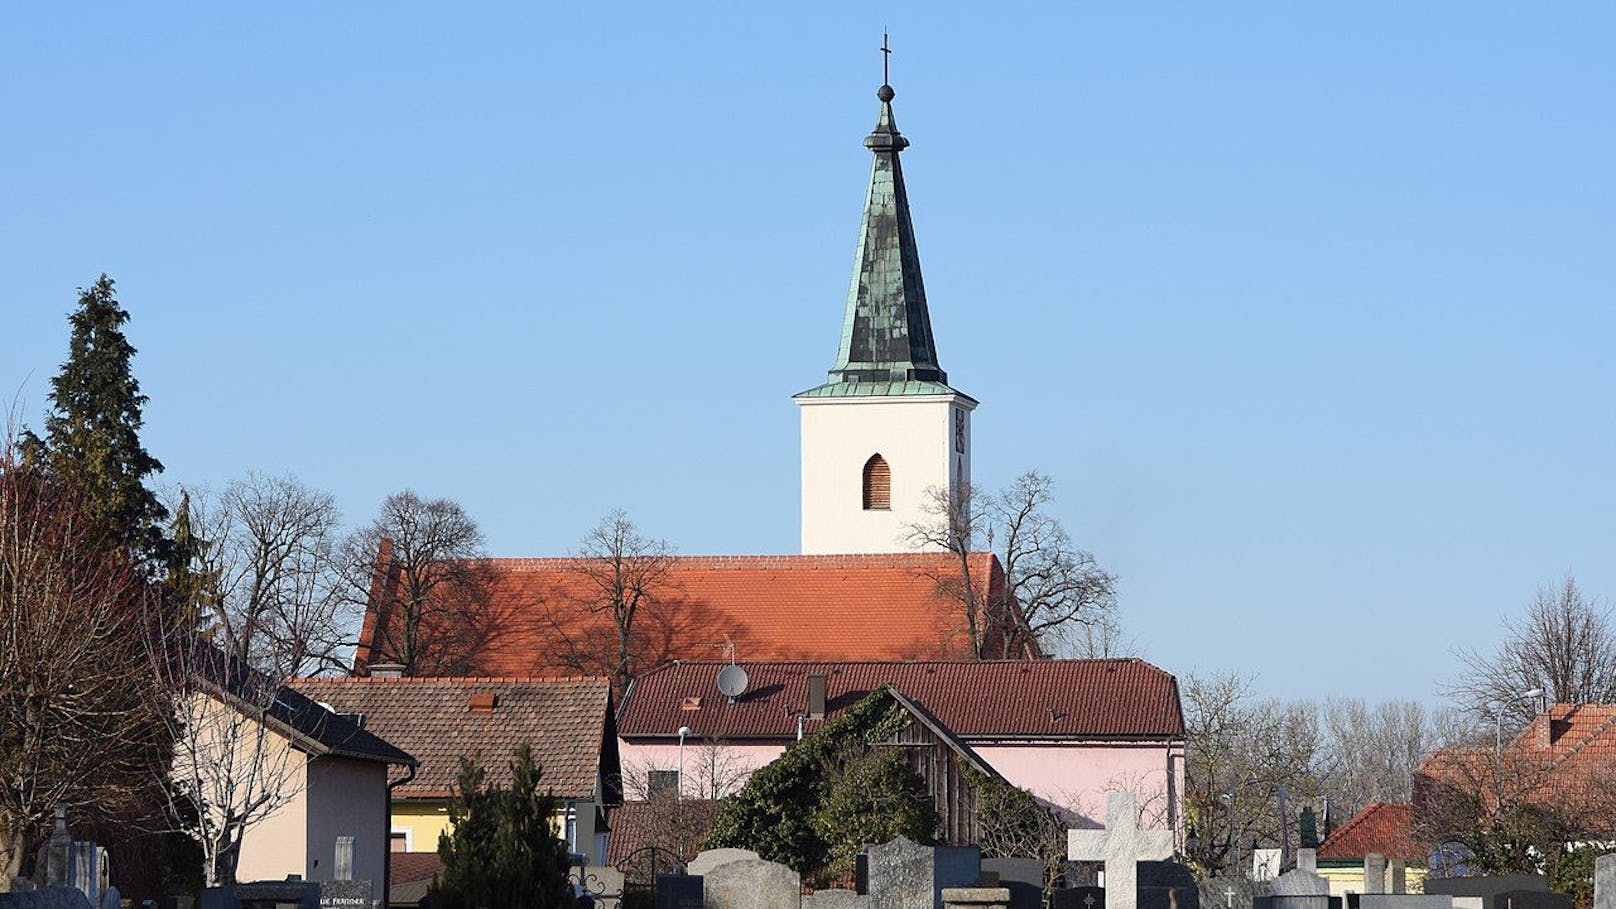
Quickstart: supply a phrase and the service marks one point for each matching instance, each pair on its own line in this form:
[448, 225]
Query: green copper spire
[886, 333]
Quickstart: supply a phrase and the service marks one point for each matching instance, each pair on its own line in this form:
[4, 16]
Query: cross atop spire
[886, 345]
[886, 58]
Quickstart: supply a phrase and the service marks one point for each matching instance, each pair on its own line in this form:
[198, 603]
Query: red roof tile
[567, 721]
[1380, 827]
[1566, 756]
[865, 607]
[1064, 699]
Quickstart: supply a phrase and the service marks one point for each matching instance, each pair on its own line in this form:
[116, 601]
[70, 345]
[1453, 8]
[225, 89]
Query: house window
[398, 841]
[659, 783]
[572, 828]
[877, 484]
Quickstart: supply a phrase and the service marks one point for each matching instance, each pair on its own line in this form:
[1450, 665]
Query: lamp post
[1498, 717]
[679, 787]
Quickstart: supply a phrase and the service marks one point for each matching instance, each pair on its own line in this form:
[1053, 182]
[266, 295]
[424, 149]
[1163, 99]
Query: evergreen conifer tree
[502, 848]
[92, 434]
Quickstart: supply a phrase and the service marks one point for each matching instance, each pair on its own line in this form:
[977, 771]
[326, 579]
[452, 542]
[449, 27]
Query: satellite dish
[732, 681]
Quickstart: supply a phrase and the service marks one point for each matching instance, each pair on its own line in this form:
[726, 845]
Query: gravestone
[976, 898]
[752, 884]
[345, 894]
[1167, 885]
[263, 895]
[1605, 882]
[906, 875]
[1399, 901]
[1531, 899]
[1121, 845]
[1300, 888]
[1374, 873]
[1502, 891]
[836, 899]
[712, 858]
[680, 891]
[1079, 898]
[1023, 877]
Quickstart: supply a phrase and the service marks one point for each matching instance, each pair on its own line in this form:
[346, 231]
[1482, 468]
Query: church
[884, 438]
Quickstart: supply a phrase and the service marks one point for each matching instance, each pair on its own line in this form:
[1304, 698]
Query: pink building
[1066, 730]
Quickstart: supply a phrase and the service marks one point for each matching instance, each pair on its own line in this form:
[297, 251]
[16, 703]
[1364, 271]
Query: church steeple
[886, 331]
[885, 433]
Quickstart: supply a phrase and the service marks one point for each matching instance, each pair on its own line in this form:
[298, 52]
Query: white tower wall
[926, 442]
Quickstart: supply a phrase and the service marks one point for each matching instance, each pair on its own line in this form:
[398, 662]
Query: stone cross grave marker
[1121, 846]
[1605, 882]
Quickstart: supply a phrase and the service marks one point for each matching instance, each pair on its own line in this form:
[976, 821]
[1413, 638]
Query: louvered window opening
[877, 484]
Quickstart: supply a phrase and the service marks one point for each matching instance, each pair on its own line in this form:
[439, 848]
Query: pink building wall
[1070, 775]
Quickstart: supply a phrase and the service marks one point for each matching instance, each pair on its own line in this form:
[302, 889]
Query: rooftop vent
[690, 703]
[483, 702]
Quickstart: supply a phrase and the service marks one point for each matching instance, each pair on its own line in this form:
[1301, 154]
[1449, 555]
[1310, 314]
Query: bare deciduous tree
[82, 720]
[1565, 644]
[420, 566]
[273, 595]
[620, 573]
[1242, 753]
[1052, 589]
[230, 771]
[1370, 754]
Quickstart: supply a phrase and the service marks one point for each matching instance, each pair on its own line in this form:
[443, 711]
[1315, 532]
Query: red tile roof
[1380, 827]
[1566, 756]
[862, 607]
[567, 721]
[1058, 699]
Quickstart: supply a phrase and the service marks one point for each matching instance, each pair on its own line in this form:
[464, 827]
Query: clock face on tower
[959, 430]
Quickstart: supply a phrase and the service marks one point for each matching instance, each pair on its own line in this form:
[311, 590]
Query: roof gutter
[387, 838]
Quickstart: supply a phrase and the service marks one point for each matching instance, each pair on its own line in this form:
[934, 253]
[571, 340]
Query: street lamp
[679, 787]
[1498, 717]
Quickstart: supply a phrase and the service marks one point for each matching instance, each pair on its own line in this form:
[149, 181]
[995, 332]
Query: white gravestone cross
[1121, 845]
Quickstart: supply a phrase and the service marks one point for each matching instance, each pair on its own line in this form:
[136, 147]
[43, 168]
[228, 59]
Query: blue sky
[1307, 309]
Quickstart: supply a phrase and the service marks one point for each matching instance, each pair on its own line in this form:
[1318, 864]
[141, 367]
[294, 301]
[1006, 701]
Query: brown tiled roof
[1380, 827]
[862, 607]
[1059, 699]
[407, 867]
[567, 721]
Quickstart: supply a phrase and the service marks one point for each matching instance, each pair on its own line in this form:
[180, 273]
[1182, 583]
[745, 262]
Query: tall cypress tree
[92, 434]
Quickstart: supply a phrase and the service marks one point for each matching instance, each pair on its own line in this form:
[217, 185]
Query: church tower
[885, 432]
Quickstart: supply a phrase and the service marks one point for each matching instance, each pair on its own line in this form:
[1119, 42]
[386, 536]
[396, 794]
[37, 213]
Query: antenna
[732, 681]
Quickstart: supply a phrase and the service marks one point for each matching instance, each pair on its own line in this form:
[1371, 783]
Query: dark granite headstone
[679, 891]
[1167, 885]
[1531, 899]
[1079, 898]
[263, 895]
[1023, 877]
[861, 874]
[1486, 886]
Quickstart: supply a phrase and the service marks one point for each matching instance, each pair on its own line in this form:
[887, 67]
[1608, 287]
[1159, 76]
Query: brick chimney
[387, 671]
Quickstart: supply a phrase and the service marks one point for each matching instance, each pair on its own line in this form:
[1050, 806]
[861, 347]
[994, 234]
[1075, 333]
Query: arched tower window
[877, 484]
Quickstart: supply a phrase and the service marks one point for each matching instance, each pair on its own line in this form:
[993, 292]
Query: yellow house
[1382, 829]
[567, 721]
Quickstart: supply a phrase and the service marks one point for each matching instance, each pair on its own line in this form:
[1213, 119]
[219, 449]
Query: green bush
[774, 813]
[876, 797]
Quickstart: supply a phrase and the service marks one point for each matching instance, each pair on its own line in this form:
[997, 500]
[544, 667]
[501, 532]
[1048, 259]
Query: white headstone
[1122, 846]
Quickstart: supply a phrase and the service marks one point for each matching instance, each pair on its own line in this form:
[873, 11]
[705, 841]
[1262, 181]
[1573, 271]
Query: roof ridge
[834, 560]
[471, 679]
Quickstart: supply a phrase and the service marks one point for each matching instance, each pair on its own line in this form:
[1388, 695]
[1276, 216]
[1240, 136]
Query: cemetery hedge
[801, 809]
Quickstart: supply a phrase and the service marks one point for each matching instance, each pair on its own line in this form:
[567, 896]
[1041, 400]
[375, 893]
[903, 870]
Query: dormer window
[877, 484]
